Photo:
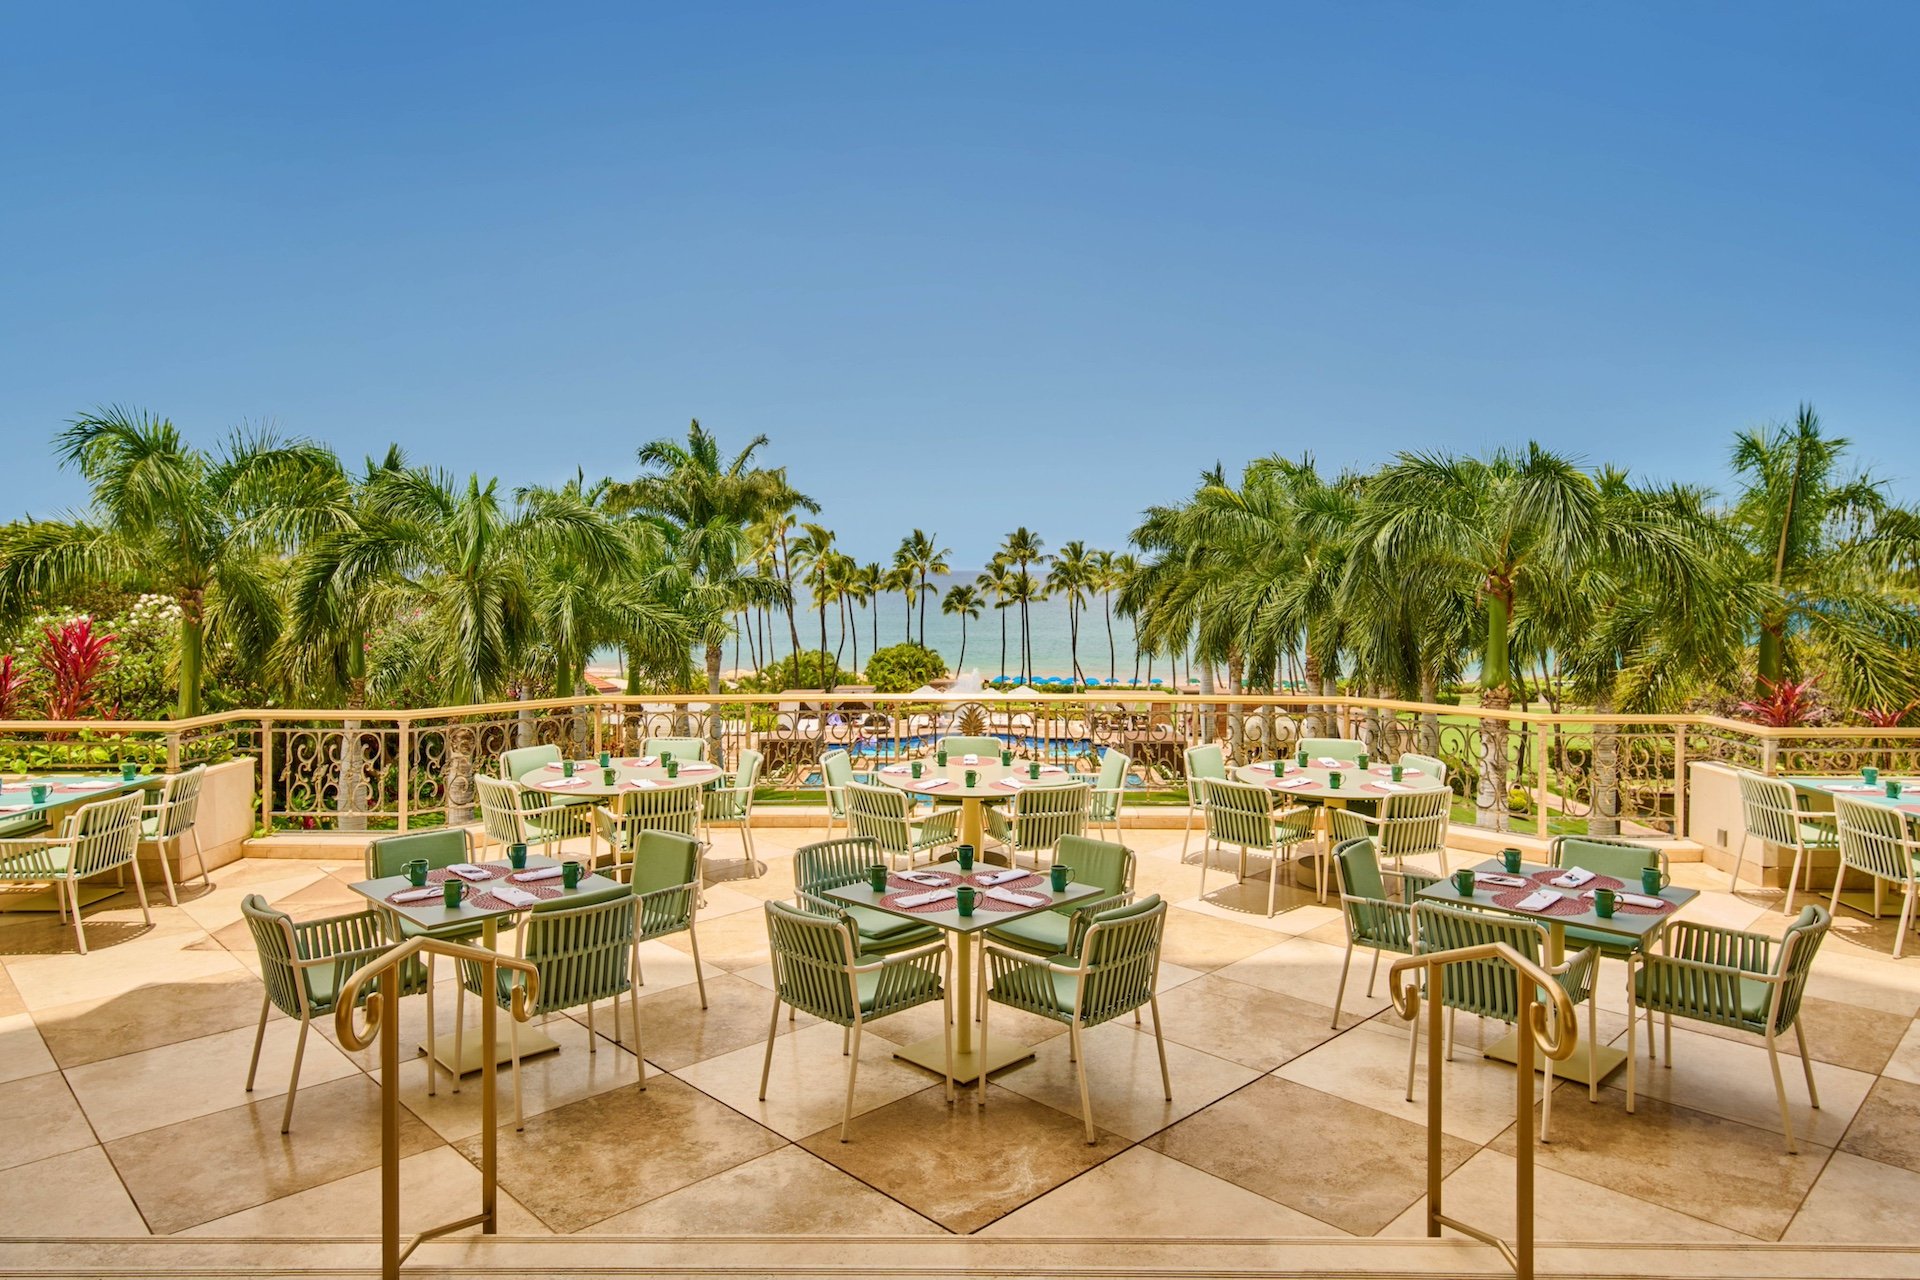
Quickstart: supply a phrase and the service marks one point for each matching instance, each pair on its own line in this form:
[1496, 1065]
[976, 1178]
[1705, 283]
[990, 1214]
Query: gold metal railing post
[1548, 1027]
[404, 801]
[383, 1023]
[266, 776]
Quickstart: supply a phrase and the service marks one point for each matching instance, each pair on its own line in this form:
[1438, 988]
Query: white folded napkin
[1859, 787]
[1328, 762]
[467, 871]
[1051, 768]
[1510, 882]
[1017, 899]
[514, 897]
[1539, 900]
[419, 895]
[640, 784]
[1011, 781]
[896, 768]
[1392, 786]
[931, 878]
[1262, 768]
[698, 767]
[922, 899]
[969, 759]
[97, 785]
[1573, 879]
[556, 766]
[1294, 782]
[542, 873]
[1640, 900]
[930, 783]
[1000, 877]
[565, 782]
[643, 762]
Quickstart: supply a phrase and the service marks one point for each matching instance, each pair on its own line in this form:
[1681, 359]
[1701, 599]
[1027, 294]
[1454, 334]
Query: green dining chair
[664, 873]
[1878, 841]
[1775, 813]
[1109, 791]
[1208, 760]
[730, 804]
[1431, 766]
[681, 749]
[819, 969]
[169, 821]
[511, 813]
[1493, 988]
[884, 815]
[1101, 863]
[303, 965]
[1403, 824]
[1255, 819]
[98, 837]
[581, 948]
[1345, 750]
[1110, 970]
[836, 775]
[970, 745]
[1731, 978]
[516, 764]
[1374, 918]
[825, 865]
[1039, 816]
[675, 809]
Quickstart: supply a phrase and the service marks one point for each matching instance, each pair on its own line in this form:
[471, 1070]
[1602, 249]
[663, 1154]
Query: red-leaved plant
[1788, 703]
[12, 684]
[73, 658]
[1882, 718]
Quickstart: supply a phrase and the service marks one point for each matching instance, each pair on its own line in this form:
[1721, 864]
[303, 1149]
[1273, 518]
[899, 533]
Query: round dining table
[991, 785]
[1313, 782]
[631, 774]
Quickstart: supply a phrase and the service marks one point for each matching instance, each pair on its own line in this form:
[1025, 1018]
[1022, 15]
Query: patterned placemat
[542, 891]
[495, 870]
[1512, 898]
[1545, 880]
[982, 903]
[1032, 880]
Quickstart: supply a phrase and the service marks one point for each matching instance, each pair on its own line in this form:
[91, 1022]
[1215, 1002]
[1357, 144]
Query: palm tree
[1123, 567]
[1507, 524]
[1813, 548]
[1102, 579]
[1071, 576]
[997, 580]
[921, 557]
[813, 551]
[902, 578]
[170, 519]
[873, 581]
[1023, 591]
[1022, 549]
[708, 505]
[965, 601]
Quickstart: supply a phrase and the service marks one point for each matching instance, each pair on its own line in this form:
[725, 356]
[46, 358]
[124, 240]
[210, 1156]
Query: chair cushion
[1755, 997]
[878, 925]
[1612, 945]
[51, 860]
[1045, 933]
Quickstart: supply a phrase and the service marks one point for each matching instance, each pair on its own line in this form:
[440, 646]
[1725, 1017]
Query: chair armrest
[941, 821]
[818, 905]
[17, 855]
[911, 955]
[1709, 968]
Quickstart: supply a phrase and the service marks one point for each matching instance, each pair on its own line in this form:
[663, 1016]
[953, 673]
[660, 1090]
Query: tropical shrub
[902, 668]
[73, 656]
[12, 685]
[808, 669]
[1785, 704]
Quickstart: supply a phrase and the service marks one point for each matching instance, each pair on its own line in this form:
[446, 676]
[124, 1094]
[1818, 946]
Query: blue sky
[968, 266]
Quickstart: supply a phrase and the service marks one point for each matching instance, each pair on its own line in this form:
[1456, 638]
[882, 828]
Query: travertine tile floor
[121, 1077]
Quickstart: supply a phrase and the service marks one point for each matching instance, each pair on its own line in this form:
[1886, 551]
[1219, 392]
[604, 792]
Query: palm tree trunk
[1003, 642]
[1429, 735]
[923, 608]
[713, 712]
[350, 793]
[1604, 820]
[1490, 798]
[1236, 723]
[1113, 655]
[193, 643]
[962, 662]
[826, 672]
[460, 744]
[1311, 725]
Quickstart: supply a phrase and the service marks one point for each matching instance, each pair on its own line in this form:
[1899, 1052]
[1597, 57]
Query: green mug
[1361, 763]
[608, 777]
[417, 873]
[39, 791]
[1033, 770]
[566, 768]
[1463, 883]
[1301, 759]
[129, 771]
[570, 874]
[1870, 775]
[517, 856]
[1893, 789]
[877, 877]
[964, 898]
[973, 779]
[672, 767]
[1399, 771]
[940, 758]
[1603, 903]
[452, 891]
[915, 766]
[1510, 859]
[1061, 877]
[606, 758]
[1653, 880]
[1333, 779]
[1006, 758]
[963, 854]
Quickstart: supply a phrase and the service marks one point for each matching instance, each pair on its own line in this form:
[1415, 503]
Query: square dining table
[435, 913]
[20, 816]
[1634, 929]
[971, 1057]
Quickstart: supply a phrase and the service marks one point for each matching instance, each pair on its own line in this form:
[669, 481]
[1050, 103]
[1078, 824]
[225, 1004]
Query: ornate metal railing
[1511, 770]
[1550, 1029]
[376, 979]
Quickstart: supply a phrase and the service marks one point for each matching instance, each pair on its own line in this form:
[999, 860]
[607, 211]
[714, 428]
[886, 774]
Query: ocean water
[1049, 632]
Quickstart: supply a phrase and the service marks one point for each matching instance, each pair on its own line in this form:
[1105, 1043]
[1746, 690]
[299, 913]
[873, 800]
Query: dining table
[972, 1056]
[1631, 926]
[631, 775]
[389, 894]
[66, 792]
[994, 783]
[1313, 783]
[1820, 792]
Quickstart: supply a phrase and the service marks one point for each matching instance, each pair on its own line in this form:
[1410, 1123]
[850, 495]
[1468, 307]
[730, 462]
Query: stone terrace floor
[121, 1076]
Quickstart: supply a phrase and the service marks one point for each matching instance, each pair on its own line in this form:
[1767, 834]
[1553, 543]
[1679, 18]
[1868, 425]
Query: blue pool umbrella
[1156, 682]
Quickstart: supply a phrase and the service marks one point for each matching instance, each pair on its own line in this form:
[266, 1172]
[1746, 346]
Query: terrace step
[921, 1258]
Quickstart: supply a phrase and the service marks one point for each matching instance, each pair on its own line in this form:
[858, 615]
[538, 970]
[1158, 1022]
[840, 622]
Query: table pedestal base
[533, 1043]
[998, 1052]
[1581, 1065]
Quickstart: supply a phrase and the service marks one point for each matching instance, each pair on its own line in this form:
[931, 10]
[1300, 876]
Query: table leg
[533, 1041]
[971, 1057]
[1587, 1059]
[972, 825]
